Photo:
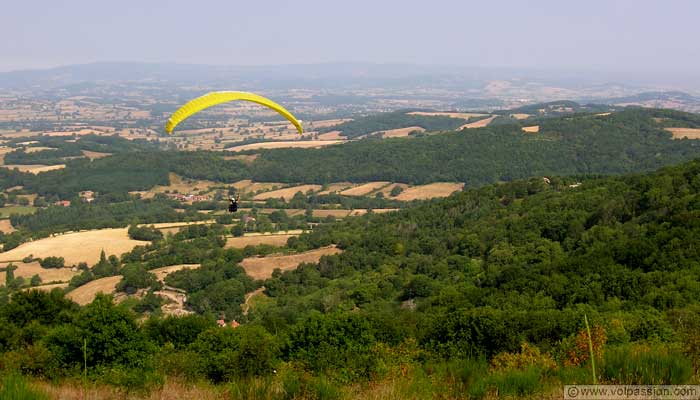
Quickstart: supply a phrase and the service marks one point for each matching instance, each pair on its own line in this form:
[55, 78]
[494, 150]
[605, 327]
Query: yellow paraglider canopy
[213, 98]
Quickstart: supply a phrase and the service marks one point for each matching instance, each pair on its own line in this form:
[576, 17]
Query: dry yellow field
[680, 133]
[163, 225]
[262, 267]
[329, 122]
[181, 185]
[37, 149]
[400, 132]
[76, 247]
[332, 135]
[243, 241]
[365, 189]
[478, 124]
[94, 154]
[520, 116]
[48, 288]
[86, 294]
[531, 129]
[287, 193]
[249, 186]
[446, 114]
[27, 270]
[162, 272]
[6, 226]
[34, 168]
[300, 144]
[387, 190]
[337, 187]
[429, 191]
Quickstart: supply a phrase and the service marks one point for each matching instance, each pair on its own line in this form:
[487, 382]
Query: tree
[36, 280]
[238, 230]
[52, 262]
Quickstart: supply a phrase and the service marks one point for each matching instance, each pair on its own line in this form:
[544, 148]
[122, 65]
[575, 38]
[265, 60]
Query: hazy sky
[641, 34]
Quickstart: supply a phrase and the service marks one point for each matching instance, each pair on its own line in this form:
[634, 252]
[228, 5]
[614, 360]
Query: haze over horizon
[642, 36]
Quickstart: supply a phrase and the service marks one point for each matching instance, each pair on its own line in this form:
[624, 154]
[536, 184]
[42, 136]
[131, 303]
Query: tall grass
[15, 387]
[646, 365]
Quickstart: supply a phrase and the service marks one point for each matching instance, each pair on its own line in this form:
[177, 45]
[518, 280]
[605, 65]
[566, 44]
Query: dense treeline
[393, 120]
[623, 142]
[80, 216]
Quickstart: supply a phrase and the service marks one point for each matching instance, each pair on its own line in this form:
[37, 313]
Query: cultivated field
[86, 294]
[328, 123]
[243, 241]
[34, 168]
[76, 247]
[50, 287]
[478, 124]
[400, 132]
[6, 226]
[387, 189]
[183, 185]
[162, 272]
[94, 154]
[300, 144]
[262, 267]
[164, 225]
[37, 149]
[249, 186]
[337, 187]
[520, 116]
[429, 191]
[531, 129]
[287, 193]
[447, 114]
[5, 212]
[365, 189]
[27, 270]
[680, 133]
[332, 135]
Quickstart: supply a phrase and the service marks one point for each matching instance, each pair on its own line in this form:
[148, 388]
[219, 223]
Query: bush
[52, 262]
[147, 233]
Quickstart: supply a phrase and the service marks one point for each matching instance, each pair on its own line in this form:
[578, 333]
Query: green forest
[484, 293]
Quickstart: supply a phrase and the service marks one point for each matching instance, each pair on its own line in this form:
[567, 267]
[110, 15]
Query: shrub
[52, 262]
[646, 365]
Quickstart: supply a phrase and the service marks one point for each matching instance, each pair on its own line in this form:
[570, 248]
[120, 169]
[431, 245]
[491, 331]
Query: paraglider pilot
[233, 203]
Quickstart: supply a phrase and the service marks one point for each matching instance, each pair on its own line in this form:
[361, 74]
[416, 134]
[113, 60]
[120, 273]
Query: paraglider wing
[214, 98]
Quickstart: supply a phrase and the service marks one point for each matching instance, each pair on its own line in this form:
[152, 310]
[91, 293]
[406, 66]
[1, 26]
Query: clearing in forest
[287, 193]
[34, 168]
[680, 133]
[365, 189]
[86, 294]
[531, 129]
[262, 267]
[47, 275]
[447, 114]
[399, 132]
[272, 240]
[429, 191]
[478, 124]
